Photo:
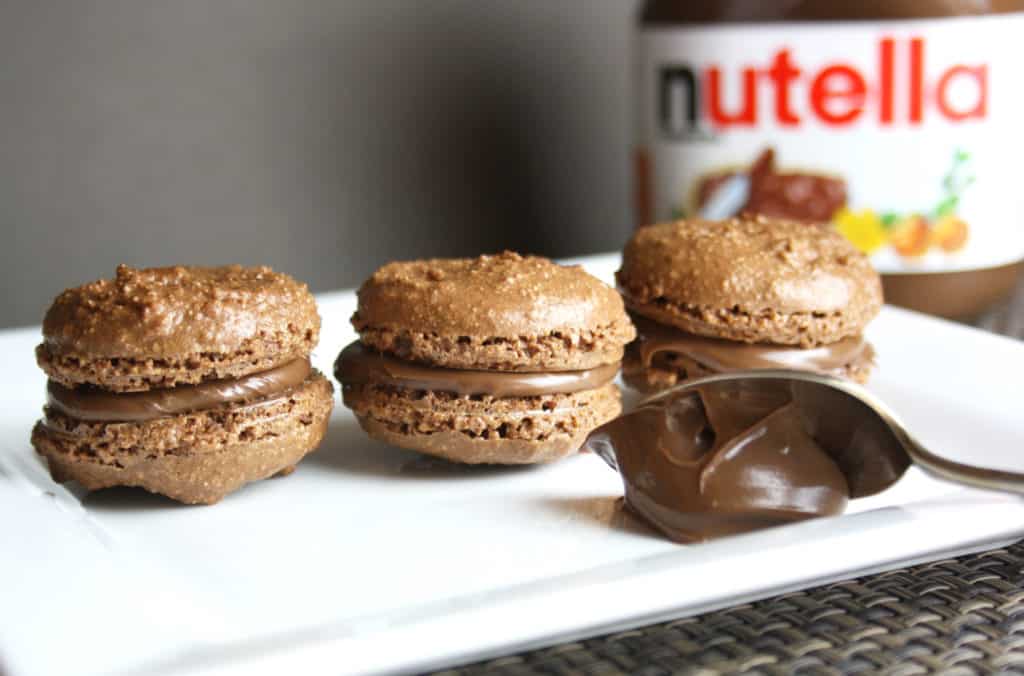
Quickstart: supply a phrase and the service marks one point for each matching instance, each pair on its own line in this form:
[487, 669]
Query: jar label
[904, 134]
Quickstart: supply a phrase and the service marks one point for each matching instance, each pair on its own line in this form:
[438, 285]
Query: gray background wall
[323, 137]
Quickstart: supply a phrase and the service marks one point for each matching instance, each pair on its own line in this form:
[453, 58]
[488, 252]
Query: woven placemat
[962, 616]
[959, 616]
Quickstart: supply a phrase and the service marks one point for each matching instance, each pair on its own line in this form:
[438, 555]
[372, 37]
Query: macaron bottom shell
[482, 429]
[194, 458]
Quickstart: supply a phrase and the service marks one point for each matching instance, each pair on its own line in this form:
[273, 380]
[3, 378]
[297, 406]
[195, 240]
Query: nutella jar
[897, 121]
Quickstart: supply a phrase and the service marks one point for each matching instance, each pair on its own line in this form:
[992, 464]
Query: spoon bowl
[858, 427]
[737, 452]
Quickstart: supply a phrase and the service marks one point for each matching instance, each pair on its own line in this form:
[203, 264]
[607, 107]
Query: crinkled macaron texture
[751, 279]
[175, 327]
[504, 312]
[162, 327]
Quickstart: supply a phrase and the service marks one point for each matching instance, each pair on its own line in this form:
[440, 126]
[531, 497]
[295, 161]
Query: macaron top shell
[753, 279]
[187, 323]
[501, 312]
[177, 311]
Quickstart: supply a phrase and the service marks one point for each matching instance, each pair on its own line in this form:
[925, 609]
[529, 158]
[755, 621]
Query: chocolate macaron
[746, 293]
[188, 382]
[499, 359]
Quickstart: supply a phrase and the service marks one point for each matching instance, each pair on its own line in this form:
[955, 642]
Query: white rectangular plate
[369, 559]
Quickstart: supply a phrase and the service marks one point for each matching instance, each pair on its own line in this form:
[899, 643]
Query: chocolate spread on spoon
[740, 455]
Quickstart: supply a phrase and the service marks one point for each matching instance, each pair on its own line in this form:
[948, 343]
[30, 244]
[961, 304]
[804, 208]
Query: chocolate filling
[737, 456]
[358, 364]
[93, 404]
[717, 355]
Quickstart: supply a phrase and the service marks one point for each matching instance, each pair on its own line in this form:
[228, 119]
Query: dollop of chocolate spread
[735, 456]
[92, 404]
[720, 356]
[358, 364]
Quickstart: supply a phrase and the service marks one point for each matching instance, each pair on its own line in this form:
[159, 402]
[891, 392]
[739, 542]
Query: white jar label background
[904, 134]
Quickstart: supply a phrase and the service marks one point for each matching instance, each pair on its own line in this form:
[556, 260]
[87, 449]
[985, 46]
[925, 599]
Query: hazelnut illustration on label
[818, 196]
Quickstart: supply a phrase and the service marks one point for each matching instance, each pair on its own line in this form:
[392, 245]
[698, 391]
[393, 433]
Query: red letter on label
[916, 80]
[885, 80]
[782, 73]
[980, 76]
[747, 115]
[837, 95]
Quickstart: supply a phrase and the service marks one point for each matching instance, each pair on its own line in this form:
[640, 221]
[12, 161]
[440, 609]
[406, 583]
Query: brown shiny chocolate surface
[358, 364]
[735, 456]
[659, 12]
[92, 404]
[962, 294]
[717, 355]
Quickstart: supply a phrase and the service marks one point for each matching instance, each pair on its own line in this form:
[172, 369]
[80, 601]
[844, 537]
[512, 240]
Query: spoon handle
[967, 475]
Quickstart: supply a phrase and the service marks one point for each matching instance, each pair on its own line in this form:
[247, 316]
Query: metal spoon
[860, 425]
